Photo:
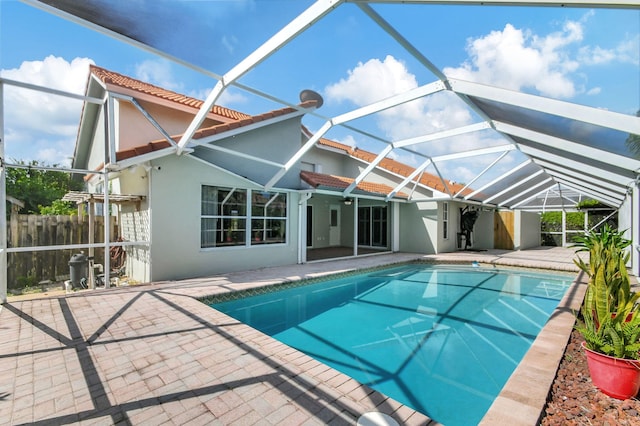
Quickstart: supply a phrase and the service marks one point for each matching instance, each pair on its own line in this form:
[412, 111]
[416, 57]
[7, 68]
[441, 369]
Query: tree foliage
[552, 221]
[41, 190]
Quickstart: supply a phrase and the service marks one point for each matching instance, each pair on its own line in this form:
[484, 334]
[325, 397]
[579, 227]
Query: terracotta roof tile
[143, 149]
[340, 182]
[241, 119]
[337, 145]
[394, 166]
[116, 79]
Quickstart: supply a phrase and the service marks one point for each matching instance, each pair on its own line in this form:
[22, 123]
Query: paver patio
[154, 354]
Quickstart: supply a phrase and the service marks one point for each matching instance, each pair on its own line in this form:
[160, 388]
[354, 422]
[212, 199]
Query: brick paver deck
[154, 354]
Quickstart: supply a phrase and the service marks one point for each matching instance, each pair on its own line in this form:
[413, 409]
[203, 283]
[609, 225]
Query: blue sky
[585, 56]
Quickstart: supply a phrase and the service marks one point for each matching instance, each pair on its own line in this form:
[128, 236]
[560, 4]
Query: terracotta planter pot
[619, 378]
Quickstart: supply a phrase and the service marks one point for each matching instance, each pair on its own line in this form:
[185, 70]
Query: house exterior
[258, 191]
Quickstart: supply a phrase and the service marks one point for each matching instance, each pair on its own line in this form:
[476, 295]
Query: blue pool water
[440, 339]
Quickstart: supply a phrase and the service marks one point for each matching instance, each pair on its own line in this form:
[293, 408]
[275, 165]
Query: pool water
[440, 339]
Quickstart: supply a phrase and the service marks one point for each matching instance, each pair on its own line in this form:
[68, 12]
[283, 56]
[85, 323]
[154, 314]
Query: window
[227, 212]
[445, 220]
[268, 217]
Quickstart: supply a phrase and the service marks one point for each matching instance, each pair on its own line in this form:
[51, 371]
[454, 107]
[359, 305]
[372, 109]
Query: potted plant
[610, 315]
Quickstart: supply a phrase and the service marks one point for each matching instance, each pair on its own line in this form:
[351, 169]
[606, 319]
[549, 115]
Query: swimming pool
[442, 339]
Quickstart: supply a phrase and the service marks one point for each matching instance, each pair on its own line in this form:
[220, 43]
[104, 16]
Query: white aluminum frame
[604, 185]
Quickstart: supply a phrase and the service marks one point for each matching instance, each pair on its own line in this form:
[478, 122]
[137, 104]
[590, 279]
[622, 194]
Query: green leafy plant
[595, 242]
[610, 316]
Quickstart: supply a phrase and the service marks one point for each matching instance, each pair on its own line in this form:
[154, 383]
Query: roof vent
[310, 95]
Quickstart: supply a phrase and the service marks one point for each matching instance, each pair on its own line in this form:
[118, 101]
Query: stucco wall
[449, 244]
[96, 153]
[276, 142]
[175, 225]
[483, 230]
[419, 227]
[330, 162]
[527, 230]
[135, 129]
[625, 222]
[320, 208]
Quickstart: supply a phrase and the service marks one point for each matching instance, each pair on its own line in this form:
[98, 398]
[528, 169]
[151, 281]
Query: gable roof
[238, 121]
[112, 78]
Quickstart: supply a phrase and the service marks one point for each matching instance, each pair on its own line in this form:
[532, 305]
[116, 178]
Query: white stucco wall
[175, 225]
[625, 218]
[332, 163]
[527, 230]
[419, 227]
[449, 244]
[96, 153]
[320, 207]
[483, 230]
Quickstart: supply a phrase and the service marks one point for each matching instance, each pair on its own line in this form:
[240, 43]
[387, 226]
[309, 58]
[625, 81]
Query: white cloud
[387, 77]
[158, 72]
[626, 52]
[348, 140]
[228, 98]
[375, 80]
[231, 97]
[594, 91]
[518, 59]
[42, 126]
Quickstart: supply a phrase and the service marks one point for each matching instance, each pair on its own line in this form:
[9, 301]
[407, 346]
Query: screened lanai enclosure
[488, 145]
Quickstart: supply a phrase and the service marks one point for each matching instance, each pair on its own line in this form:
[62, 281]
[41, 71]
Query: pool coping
[524, 396]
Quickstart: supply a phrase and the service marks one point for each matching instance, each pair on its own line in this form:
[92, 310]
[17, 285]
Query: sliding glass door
[372, 226]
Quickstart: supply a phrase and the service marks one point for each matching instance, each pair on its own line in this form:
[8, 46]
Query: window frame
[445, 220]
[370, 227]
[237, 230]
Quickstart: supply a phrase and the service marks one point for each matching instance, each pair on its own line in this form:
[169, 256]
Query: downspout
[302, 227]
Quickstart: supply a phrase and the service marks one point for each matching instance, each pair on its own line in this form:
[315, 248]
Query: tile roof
[116, 79]
[393, 166]
[339, 182]
[209, 131]
[252, 119]
[241, 120]
[142, 149]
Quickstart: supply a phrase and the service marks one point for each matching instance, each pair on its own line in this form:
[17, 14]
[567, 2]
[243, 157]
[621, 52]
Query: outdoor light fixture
[348, 201]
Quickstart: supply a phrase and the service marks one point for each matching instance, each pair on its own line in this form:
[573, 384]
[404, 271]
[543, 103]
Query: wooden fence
[31, 268]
